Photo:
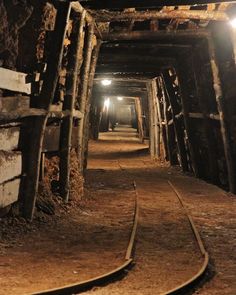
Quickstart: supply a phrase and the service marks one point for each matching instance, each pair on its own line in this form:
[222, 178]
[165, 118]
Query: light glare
[233, 23]
[106, 82]
[119, 98]
[107, 103]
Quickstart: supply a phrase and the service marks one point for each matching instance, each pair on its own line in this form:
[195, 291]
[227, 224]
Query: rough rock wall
[13, 16]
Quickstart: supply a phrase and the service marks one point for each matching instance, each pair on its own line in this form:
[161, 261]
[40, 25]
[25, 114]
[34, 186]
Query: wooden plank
[221, 99]
[114, 4]
[44, 101]
[52, 138]
[12, 103]
[10, 165]
[14, 81]
[159, 35]
[9, 138]
[177, 120]
[110, 16]
[75, 49]
[33, 112]
[9, 192]
[84, 90]
[93, 64]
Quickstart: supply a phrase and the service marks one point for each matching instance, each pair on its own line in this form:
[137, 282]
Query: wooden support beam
[94, 59]
[113, 4]
[84, 90]
[221, 93]
[69, 103]
[161, 120]
[111, 16]
[33, 112]
[138, 110]
[44, 101]
[159, 35]
[14, 81]
[202, 91]
[183, 76]
[179, 131]
[169, 133]
[76, 6]
[127, 58]
[154, 127]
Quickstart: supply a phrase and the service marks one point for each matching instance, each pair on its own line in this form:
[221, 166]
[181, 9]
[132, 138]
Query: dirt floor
[90, 237]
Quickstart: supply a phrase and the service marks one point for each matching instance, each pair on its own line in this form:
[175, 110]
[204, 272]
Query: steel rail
[202, 249]
[104, 278]
[113, 274]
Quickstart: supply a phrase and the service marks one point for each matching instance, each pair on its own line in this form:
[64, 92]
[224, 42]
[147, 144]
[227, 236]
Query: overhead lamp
[233, 23]
[106, 82]
[119, 98]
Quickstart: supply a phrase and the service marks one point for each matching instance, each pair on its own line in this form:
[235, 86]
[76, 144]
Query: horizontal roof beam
[110, 16]
[149, 35]
[114, 4]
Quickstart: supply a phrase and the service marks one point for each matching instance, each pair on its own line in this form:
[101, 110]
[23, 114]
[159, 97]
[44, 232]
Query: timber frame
[172, 62]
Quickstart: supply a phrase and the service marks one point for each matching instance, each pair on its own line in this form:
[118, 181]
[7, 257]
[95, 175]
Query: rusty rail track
[104, 278]
[115, 273]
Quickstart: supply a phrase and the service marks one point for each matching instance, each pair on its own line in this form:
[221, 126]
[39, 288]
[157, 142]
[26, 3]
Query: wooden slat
[9, 138]
[9, 192]
[15, 81]
[12, 103]
[10, 165]
[113, 4]
[109, 16]
[33, 112]
[52, 138]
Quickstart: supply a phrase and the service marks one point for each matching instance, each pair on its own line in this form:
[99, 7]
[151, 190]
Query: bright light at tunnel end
[106, 82]
[233, 23]
[107, 103]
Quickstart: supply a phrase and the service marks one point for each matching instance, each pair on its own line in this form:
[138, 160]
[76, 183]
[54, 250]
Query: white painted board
[9, 192]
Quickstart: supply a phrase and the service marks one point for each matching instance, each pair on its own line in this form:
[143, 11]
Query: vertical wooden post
[202, 89]
[169, 130]
[94, 59]
[139, 118]
[46, 96]
[69, 102]
[84, 91]
[154, 130]
[224, 123]
[183, 78]
[161, 107]
[171, 96]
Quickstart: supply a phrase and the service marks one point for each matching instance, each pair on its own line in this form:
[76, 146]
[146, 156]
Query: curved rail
[202, 249]
[102, 279]
[105, 278]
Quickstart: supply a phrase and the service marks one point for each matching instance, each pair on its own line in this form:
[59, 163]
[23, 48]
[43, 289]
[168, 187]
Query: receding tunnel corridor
[117, 147]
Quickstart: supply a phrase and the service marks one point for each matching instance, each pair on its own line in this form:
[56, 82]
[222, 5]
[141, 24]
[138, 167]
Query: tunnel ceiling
[141, 38]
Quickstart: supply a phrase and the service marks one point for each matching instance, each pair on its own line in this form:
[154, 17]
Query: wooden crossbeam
[111, 16]
[14, 81]
[149, 35]
[113, 4]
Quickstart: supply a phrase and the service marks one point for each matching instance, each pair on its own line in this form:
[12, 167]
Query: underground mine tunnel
[117, 147]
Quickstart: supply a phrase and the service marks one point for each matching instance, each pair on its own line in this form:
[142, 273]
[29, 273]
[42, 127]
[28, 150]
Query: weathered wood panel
[14, 81]
[9, 192]
[9, 138]
[10, 165]
[12, 103]
[52, 138]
